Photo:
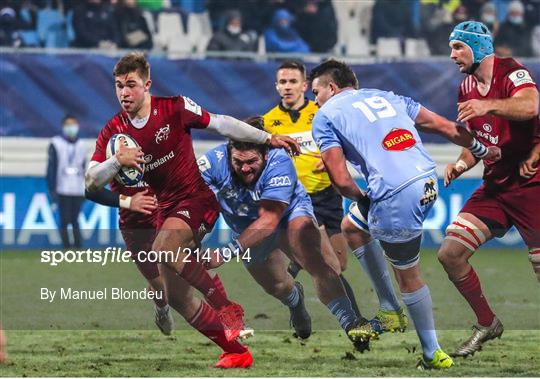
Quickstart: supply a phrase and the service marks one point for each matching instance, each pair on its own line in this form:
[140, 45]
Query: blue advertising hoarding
[28, 219]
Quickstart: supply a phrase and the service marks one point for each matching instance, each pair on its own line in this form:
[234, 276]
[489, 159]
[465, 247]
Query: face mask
[488, 18]
[516, 20]
[234, 30]
[71, 130]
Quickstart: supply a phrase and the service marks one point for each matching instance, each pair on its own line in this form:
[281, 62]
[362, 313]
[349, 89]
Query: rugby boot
[232, 319]
[235, 360]
[480, 335]
[359, 343]
[163, 319]
[384, 321]
[300, 319]
[440, 360]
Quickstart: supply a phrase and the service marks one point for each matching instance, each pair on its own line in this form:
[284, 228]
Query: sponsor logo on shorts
[430, 193]
[163, 133]
[398, 140]
[184, 213]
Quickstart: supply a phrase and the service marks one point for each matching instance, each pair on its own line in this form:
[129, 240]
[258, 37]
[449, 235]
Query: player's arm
[140, 202]
[270, 214]
[334, 161]
[521, 106]
[99, 174]
[232, 128]
[429, 121]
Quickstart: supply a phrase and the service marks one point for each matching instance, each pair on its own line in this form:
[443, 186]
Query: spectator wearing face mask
[438, 39]
[488, 15]
[281, 37]
[232, 37]
[514, 38]
[65, 178]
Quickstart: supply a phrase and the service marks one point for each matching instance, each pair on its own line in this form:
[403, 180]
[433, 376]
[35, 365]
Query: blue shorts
[259, 254]
[399, 218]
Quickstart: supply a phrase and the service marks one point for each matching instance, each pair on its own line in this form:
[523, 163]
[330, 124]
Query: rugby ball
[127, 176]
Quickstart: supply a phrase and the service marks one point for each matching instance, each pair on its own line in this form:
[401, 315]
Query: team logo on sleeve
[203, 163]
[398, 140]
[280, 181]
[163, 133]
[192, 106]
[520, 77]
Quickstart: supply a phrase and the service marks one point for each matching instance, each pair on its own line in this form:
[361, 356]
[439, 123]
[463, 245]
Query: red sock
[195, 274]
[207, 322]
[469, 287]
[219, 285]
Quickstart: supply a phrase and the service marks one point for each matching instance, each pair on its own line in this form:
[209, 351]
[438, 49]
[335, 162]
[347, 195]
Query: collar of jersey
[294, 113]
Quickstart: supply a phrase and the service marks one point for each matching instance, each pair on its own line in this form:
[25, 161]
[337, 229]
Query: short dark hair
[256, 122]
[339, 72]
[68, 116]
[295, 65]
[131, 62]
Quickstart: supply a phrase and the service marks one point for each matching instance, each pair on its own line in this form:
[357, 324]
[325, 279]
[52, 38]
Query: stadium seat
[416, 48]
[388, 47]
[51, 28]
[199, 30]
[149, 17]
[171, 35]
[354, 19]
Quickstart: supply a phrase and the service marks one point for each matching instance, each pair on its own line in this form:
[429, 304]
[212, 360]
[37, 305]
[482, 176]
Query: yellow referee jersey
[297, 124]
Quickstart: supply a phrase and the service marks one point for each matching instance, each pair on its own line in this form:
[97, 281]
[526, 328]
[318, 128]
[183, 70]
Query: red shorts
[200, 213]
[502, 209]
[139, 237]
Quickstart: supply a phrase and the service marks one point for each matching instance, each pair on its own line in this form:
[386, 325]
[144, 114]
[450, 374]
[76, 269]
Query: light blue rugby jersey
[362, 123]
[239, 204]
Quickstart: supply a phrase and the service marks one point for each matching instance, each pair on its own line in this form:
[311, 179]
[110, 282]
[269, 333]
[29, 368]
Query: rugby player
[498, 99]
[187, 207]
[293, 116]
[270, 212]
[375, 131]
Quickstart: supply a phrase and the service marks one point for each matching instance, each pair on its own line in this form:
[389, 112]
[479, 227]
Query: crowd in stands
[361, 27]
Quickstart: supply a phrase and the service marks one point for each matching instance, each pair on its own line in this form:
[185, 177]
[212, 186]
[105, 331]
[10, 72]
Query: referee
[293, 117]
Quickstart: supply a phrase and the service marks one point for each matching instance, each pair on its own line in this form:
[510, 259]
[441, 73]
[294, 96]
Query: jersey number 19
[375, 107]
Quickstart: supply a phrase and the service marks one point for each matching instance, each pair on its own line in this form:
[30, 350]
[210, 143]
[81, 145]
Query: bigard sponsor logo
[398, 140]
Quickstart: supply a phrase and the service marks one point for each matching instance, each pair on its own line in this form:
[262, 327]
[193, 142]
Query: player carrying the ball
[188, 209]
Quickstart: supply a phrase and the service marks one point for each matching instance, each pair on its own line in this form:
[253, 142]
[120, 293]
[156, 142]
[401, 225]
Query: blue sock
[292, 299]
[342, 310]
[421, 311]
[372, 260]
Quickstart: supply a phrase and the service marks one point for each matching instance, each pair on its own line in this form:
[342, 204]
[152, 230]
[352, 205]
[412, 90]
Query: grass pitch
[118, 338]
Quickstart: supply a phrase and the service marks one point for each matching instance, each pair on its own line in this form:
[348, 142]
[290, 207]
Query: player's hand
[494, 154]
[278, 140]
[319, 167]
[473, 108]
[529, 167]
[452, 172]
[143, 203]
[130, 157]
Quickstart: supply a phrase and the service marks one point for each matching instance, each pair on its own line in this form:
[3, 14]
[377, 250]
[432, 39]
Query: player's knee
[534, 258]
[466, 234]
[354, 236]
[277, 289]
